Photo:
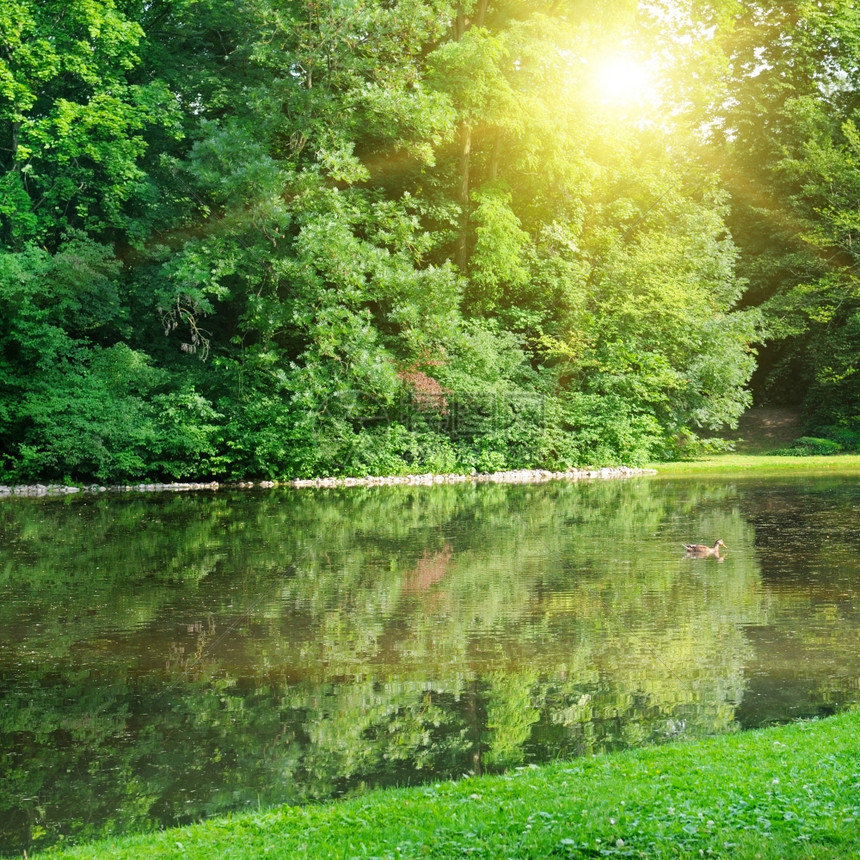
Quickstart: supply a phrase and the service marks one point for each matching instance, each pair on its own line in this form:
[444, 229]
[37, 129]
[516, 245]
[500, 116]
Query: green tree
[360, 238]
[73, 125]
[787, 148]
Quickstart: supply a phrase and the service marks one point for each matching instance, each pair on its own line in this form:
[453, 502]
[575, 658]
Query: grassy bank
[763, 465]
[763, 430]
[788, 792]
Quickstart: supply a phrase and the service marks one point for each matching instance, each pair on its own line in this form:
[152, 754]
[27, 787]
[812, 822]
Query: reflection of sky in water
[167, 657]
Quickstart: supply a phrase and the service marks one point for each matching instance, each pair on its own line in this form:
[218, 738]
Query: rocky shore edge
[518, 476]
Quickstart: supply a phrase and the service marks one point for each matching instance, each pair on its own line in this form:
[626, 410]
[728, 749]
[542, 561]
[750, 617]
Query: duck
[700, 549]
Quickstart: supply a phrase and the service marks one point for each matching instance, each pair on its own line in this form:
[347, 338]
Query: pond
[168, 657]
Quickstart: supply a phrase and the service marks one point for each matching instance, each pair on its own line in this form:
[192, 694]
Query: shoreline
[515, 476]
[761, 796]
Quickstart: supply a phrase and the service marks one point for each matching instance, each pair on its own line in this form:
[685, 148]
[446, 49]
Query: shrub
[847, 437]
[809, 446]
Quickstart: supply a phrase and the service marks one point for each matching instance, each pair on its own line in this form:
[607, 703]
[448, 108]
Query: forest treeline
[287, 238]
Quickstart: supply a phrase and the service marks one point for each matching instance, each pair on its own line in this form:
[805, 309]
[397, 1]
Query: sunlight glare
[622, 80]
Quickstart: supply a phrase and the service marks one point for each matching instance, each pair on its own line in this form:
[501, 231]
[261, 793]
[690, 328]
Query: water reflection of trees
[176, 657]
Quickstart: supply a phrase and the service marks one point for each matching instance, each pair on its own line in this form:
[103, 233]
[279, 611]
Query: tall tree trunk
[16, 128]
[497, 154]
[461, 255]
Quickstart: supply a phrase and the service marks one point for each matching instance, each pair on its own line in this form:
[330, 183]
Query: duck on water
[700, 550]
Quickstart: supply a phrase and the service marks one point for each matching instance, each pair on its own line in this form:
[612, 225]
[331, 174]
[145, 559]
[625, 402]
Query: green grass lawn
[760, 464]
[763, 430]
[787, 792]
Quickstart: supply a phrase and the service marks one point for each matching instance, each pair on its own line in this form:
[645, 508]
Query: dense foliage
[275, 239]
[787, 145]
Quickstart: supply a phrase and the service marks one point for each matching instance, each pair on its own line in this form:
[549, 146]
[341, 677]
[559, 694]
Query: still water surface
[165, 657]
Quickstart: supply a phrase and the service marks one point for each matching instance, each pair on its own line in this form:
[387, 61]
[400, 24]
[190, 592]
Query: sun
[621, 79]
